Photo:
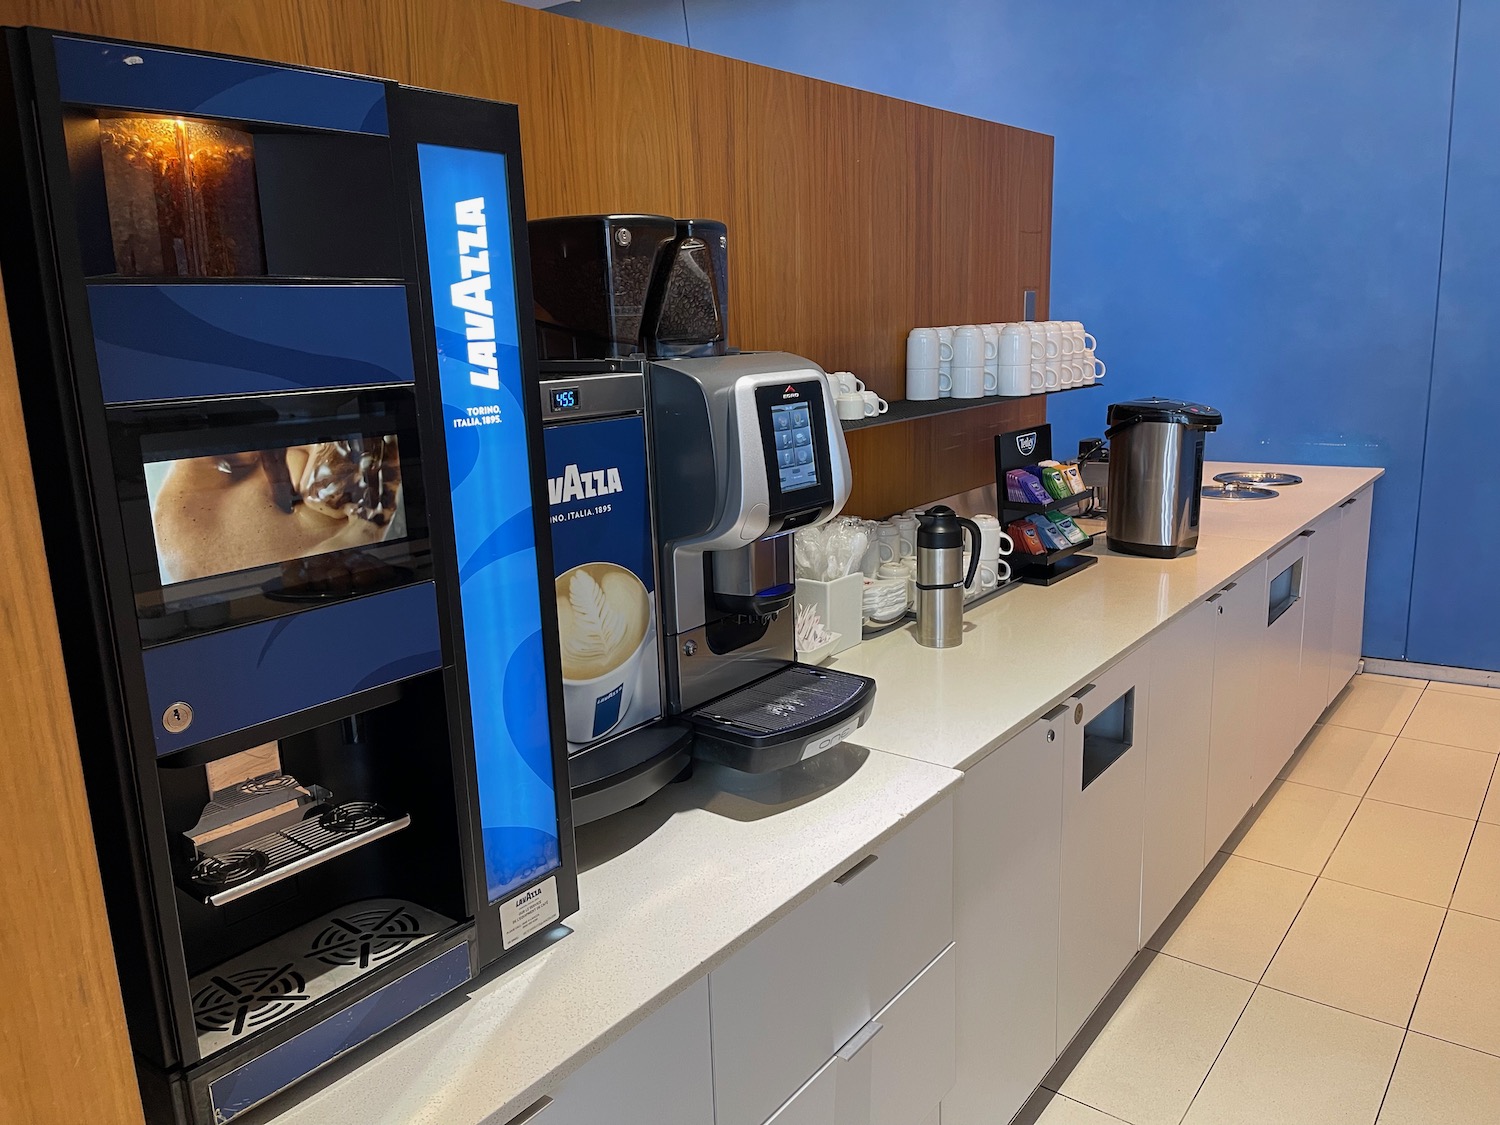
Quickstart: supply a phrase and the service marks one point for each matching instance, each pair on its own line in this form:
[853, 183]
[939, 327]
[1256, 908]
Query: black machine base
[626, 770]
[1049, 574]
[789, 715]
[1152, 550]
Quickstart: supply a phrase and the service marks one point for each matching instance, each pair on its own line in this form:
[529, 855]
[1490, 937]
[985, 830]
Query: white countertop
[668, 890]
[953, 706]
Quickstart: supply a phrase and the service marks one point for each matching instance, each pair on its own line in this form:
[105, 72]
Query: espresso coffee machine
[744, 448]
[748, 449]
[273, 328]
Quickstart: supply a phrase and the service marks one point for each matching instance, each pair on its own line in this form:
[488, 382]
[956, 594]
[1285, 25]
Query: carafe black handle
[973, 529]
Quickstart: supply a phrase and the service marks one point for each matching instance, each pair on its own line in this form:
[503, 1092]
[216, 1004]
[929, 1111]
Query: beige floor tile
[1343, 759]
[1479, 883]
[1153, 1054]
[1456, 720]
[1490, 814]
[1439, 1083]
[1410, 853]
[1298, 827]
[1442, 779]
[1399, 681]
[1293, 1062]
[1065, 1111]
[1374, 704]
[1358, 950]
[1466, 689]
[1240, 919]
[1460, 999]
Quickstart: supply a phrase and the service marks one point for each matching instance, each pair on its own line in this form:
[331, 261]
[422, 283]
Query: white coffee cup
[1059, 342]
[993, 540]
[877, 554]
[851, 407]
[1093, 367]
[1013, 379]
[1051, 372]
[968, 346]
[924, 348]
[1082, 339]
[874, 404]
[598, 689]
[899, 568]
[968, 382]
[923, 383]
[1016, 346]
[1002, 571]
[991, 362]
[847, 383]
[907, 527]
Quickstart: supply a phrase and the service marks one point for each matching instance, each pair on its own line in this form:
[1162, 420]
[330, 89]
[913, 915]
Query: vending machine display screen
[796, 456]
[564, 398]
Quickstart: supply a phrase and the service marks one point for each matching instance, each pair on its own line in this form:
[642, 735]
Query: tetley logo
[576, 485]
[471, 294]
[1026, 444]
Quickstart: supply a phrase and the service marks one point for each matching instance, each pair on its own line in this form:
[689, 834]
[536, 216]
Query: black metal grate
[366, 937]
[795, 697]
[354, 816]
[248, 999]
[230, 867]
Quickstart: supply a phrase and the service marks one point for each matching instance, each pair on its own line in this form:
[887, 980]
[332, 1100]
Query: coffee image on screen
[229, 512]
[602, 611]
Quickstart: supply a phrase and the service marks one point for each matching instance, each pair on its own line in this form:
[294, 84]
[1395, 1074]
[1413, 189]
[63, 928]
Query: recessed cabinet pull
[1056, 713]
[530, 1112]
[1308, 533]
[1351, 500]
[860, 1040]
[1216, 597]
[1084, 690]
[1231, 586]
[863, 865]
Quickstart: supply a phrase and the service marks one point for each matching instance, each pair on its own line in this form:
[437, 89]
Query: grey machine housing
[722, 518]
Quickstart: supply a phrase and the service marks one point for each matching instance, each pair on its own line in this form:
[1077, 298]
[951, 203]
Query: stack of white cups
[1027, 357]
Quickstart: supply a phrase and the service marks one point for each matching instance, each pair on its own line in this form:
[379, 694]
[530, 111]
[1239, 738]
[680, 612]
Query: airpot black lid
[939, 527]
[1164, 410]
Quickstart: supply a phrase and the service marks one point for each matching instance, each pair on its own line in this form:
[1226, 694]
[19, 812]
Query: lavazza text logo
[471, 293]
[576, 484]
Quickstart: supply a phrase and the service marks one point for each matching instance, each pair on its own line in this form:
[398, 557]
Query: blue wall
[1248, 210]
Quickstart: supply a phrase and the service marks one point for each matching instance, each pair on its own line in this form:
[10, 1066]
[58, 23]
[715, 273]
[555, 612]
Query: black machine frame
[85, 536]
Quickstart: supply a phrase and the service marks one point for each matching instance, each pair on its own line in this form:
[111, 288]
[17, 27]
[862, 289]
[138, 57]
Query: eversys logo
[581, 485]
[471, 293]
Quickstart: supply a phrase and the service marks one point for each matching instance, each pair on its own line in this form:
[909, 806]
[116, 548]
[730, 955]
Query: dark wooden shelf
[906, 409]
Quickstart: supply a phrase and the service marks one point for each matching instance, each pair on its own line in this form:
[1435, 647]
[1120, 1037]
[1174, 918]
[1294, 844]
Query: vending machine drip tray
[272, 981]
[224, 876]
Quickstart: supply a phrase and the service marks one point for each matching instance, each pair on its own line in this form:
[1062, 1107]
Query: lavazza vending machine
[275, 341]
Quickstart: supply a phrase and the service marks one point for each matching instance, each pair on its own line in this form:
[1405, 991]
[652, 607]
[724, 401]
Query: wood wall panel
[852, 219]
[64, 1055]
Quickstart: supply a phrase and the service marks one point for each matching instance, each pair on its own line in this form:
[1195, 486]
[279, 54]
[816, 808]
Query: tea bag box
[282, 408]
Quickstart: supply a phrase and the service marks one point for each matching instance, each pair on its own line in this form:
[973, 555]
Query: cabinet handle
[1308, 533]
[1216, 597]
[863, 865]
[1056, 713]
[860, 1040]
[1231, 586]
[1351, 500]
[530, 1112]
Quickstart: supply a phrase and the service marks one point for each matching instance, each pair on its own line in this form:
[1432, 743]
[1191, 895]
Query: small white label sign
[529, 912]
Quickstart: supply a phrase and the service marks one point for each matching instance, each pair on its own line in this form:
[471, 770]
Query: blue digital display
[466, 215]
[565, 399]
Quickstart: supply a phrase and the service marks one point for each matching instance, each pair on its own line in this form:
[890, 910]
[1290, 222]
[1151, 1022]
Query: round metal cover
[1258, 477]
[1237, 492]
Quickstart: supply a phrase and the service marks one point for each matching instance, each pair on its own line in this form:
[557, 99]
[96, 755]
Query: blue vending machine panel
[468, 230]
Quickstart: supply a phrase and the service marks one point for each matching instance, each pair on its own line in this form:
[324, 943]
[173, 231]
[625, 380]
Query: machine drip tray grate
[218, 879]
[785, 702]
[272, 981]
[1258, 478]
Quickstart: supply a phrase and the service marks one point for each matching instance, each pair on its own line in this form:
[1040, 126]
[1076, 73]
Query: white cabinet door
[658, 1073]
[1182, 689]
[1281, 661]
[1007, 858]
[1103, 798]
[1349, 602]
[1237, 719]
[1321, 595]
[784, 1004]
[913, 1058]
[814, 1104]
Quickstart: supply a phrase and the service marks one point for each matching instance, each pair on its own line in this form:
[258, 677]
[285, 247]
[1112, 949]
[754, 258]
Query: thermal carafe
[941, 580]
[1156, 474]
